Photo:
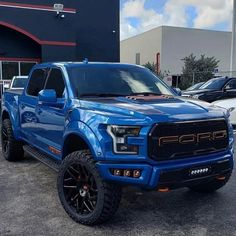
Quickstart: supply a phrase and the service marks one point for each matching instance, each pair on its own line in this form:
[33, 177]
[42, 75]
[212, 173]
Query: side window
[231, 84]
[55, 81]
[36, 82]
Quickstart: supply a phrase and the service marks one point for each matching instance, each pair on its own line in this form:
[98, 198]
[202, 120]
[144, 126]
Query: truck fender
[84, 132]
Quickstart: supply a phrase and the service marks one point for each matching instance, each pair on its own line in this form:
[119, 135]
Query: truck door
[28, 102]
[51, 118]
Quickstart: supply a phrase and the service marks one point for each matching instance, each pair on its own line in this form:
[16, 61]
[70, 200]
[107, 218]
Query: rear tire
[12, 149]
[211, 186]
[85, 196]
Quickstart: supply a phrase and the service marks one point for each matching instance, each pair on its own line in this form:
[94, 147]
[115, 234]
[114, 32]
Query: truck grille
[168, 141]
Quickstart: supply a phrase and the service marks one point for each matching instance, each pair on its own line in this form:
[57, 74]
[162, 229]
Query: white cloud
[215, 12]
[209, 13]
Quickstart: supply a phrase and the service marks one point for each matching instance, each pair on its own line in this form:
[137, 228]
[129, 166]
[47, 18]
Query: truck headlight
[119, 136]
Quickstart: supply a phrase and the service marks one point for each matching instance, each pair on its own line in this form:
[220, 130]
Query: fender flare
[12, 119]
[84, 132]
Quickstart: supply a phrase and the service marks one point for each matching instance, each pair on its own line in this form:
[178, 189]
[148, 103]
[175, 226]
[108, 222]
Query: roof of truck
[86, 63]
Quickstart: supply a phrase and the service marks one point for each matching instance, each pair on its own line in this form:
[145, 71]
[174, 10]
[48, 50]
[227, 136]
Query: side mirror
[177, 91]
[47, 97]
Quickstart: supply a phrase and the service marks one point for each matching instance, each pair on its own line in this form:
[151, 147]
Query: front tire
[211, 186]
[85, 196]
[12, 149]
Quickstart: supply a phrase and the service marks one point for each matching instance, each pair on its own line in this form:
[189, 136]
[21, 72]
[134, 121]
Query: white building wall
[181, 42]
[147, 44]
[175, 43]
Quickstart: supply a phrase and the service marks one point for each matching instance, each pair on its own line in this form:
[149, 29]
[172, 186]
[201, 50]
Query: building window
[25, 67]
[137, 59]
[8, 69]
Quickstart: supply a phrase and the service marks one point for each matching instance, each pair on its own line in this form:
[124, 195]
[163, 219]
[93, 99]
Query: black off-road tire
[108, 195]
[211, 186]
[12, 149]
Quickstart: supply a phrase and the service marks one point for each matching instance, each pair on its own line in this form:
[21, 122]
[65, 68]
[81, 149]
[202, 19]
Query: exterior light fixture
[58, 7]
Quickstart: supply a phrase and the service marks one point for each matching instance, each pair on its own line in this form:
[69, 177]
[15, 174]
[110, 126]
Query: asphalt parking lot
[29, 205]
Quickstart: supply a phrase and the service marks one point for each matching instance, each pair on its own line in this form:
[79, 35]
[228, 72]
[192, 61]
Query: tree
[197, 70]
[153, 67]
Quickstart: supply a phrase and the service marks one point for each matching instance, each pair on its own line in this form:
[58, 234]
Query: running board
[42, 157]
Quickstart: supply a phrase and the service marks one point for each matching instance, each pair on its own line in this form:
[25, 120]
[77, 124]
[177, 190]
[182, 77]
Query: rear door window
[36, 82]
[231, 84]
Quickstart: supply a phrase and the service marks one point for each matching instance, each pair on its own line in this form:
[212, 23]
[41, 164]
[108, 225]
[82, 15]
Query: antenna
[85, 61]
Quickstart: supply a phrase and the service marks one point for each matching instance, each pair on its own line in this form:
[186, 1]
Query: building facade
[39, 31]
[166, 46]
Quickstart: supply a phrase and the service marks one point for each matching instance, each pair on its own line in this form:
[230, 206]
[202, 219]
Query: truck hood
[157, 108]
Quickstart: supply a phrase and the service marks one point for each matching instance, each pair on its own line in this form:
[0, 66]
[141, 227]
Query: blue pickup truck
[103, 126]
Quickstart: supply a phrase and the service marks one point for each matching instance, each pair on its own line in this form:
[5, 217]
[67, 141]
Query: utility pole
[233, 42]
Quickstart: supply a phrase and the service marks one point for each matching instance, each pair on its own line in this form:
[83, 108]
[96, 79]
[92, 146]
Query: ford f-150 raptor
[103, 126]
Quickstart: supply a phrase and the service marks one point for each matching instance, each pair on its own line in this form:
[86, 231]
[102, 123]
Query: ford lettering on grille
[193, 138]
[168, 141]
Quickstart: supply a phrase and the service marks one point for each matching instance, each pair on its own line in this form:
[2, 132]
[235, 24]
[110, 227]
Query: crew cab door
[51, 117]
[230, 89]
[27, 104]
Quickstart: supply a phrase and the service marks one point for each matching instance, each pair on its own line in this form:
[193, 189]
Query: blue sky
[138, 16]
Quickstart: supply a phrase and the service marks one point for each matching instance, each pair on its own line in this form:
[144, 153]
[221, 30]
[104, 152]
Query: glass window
[231, 84]
[36, 82]
[19, 82]
[55, 81]
[25, 67]
[137, 58]
[215, 84]
[9, 69]
[122, 81]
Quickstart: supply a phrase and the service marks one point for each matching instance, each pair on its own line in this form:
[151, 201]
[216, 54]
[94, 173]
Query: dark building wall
[98, 33]
[23, 46]
[92, 32]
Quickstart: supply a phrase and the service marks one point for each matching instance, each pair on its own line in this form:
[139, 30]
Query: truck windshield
[19, 82]
[115, 81]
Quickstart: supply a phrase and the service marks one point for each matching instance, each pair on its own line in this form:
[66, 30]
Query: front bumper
[172, 174]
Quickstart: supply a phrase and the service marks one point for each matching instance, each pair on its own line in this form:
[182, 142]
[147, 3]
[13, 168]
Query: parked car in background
[229, 104]
[18, 82]
[195, 86]
[214, 89]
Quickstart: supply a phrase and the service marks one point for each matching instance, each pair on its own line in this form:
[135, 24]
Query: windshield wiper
[102, 95]
[146, 94]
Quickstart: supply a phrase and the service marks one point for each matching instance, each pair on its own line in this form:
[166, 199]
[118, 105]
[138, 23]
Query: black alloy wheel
[85, 196]
[80, 189]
